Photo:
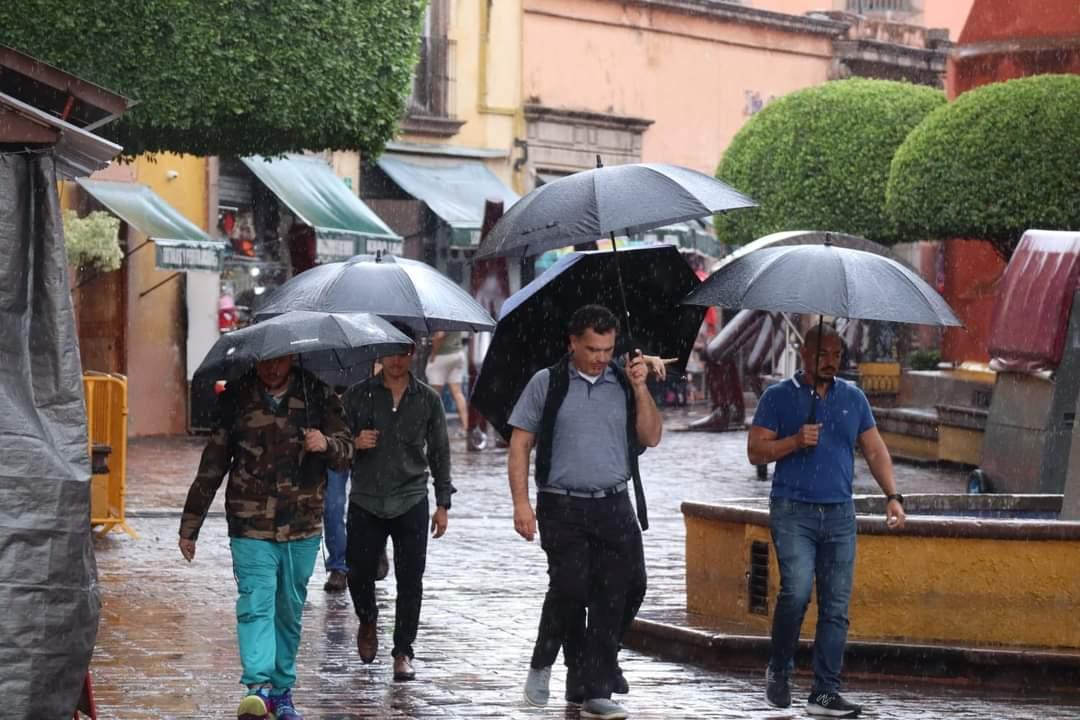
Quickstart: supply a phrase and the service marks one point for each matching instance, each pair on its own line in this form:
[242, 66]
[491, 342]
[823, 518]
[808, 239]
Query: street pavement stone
[166, 644]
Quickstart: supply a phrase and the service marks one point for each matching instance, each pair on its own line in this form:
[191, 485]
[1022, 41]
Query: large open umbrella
[393, 288]
[825, 279]
[614, 200]
[531, 332]
[604, 202]
[329, 343]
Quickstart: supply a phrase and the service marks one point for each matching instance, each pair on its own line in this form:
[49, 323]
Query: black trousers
[367, 540]
[596, 570]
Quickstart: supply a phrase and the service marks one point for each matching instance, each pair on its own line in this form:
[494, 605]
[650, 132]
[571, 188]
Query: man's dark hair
[827, 331]
[592, 317]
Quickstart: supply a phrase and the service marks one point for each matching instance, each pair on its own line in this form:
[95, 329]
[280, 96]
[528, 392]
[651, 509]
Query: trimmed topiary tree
[998, 160]
[818, 159]
[223, 77]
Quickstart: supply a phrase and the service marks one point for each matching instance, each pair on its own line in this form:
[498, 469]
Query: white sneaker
[537, 686]
[603, 709]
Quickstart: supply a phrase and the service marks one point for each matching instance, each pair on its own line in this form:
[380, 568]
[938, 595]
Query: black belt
[606, 492]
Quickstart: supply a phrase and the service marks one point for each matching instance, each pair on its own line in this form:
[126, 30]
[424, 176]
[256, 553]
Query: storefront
[181, 250]
[281, 216]
[440, 203]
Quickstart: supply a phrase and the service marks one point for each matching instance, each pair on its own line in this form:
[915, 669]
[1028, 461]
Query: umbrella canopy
[824, 279]
[329, 344]
[393, 288]
[618, 199]
[531, 333]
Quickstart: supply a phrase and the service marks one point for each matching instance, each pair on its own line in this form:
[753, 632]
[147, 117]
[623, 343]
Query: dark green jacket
[391, 477]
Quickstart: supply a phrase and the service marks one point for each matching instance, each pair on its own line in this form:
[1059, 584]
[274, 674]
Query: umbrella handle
[303, 388]
[622, 289]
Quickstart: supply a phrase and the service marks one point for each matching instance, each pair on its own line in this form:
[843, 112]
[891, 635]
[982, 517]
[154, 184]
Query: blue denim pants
[813, 542]
[334, 520]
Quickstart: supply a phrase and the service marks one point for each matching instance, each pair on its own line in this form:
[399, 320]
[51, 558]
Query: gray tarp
[48, 577]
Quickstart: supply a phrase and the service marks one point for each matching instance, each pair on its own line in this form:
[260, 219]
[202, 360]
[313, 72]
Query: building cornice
[536, 112]
[741, 14]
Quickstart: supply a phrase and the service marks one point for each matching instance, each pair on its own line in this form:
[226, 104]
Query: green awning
[455, 191]
[180, 243]
[344, 226]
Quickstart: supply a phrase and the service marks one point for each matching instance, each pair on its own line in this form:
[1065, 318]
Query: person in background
[279, 429]
[447, 365]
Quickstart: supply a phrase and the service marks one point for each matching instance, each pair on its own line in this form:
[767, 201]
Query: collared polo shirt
[588, 451]
[822, 474]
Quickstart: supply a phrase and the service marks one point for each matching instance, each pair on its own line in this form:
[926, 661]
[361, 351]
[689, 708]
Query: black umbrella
[825, 279]
[330, 343]
[393, 288]
[531, 333]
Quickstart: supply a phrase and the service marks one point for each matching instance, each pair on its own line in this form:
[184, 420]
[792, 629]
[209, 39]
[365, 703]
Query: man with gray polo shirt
[588, 420]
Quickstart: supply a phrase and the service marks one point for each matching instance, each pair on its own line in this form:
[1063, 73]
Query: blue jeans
[812, 541]
[271, 583]
[334, 520]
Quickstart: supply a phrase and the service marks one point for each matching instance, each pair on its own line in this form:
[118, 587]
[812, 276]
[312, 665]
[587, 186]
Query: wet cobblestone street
[166, 644]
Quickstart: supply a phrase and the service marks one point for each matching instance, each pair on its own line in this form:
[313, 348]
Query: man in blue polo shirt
[812, 441]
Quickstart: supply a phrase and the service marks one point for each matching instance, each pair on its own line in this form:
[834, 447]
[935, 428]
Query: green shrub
[818, 159]
[233, 77]
[924, 359]
[998, 160]
[91, 242]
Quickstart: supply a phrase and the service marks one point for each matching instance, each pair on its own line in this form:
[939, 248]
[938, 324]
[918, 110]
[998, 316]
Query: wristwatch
[897, 497]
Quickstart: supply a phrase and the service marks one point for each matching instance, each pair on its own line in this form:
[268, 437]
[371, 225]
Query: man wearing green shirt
[399, 431]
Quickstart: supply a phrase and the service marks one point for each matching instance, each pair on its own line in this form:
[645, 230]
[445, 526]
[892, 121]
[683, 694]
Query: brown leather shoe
[403, 669]
[337, 582]
[367, 642]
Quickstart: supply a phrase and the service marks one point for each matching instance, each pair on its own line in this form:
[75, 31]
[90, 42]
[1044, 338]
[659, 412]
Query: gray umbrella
[327, 342]
[393, 288]
[613, 200]
[824, 279]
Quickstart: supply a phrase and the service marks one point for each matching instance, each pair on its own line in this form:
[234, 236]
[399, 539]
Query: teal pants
[271, 580]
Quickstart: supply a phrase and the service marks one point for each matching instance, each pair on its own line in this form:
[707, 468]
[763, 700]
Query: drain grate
[758, 578]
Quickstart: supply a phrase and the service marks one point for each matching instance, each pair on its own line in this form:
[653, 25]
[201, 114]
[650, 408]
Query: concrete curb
[1017, 669]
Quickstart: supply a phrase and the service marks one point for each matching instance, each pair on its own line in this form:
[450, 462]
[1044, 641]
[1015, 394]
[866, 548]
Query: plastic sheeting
[48, 577]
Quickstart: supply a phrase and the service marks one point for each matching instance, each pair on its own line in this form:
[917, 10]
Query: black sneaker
[829, 704]
[777, 689]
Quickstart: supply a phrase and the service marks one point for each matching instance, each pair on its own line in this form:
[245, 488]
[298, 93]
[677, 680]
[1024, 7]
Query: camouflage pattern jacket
[275, 489]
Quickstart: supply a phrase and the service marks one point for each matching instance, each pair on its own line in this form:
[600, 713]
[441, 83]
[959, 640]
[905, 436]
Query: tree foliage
[998, 160]
[234, 77]
[818, 159]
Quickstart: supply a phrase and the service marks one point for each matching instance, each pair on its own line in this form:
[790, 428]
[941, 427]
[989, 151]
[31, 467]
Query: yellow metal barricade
[106, 426]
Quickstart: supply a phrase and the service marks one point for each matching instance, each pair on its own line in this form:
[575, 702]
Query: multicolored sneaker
[255, 705]
[283, 707]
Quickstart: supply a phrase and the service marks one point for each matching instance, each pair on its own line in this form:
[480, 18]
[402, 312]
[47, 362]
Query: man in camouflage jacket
[276, 447]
